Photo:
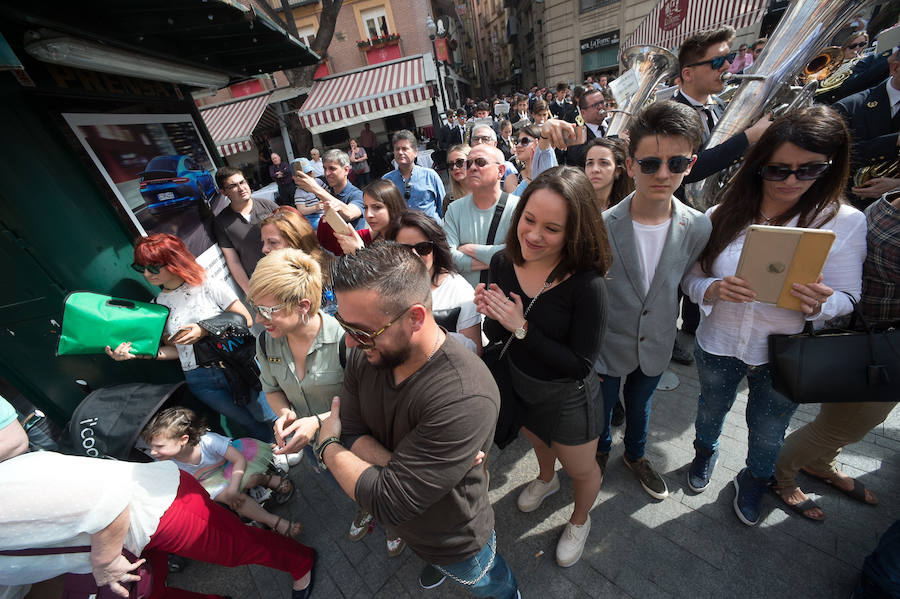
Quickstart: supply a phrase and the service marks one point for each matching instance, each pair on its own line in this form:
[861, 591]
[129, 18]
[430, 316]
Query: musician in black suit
[559, 107]
[873, 116]
[704, 59]
[593, 111]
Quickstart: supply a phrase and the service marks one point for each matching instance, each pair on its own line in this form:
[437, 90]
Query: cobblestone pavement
[687, 545]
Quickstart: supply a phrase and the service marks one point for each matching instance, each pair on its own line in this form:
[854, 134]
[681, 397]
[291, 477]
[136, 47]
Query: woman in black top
[548, 298]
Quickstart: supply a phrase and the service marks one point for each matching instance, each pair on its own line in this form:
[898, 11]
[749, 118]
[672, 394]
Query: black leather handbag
[838, 365]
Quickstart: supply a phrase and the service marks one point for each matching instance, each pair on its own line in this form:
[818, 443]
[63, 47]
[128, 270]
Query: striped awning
[670, 22]
[366, 94]
[232, 124]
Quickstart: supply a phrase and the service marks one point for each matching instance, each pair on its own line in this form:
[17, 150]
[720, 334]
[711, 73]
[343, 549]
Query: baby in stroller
[223, 467]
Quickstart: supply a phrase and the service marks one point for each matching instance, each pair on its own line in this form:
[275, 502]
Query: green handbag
[91, 321]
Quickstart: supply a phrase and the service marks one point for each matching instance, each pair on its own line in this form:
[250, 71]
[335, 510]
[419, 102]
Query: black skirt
[561, 411]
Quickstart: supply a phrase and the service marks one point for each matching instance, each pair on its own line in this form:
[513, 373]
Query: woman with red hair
[190, 296]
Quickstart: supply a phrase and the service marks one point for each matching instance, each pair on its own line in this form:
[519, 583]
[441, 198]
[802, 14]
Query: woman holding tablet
[793, 177]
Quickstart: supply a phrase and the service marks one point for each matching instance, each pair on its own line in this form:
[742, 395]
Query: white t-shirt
[188, 304]
[55, 500]
[650, 240]
[212, 456]
[455, 291]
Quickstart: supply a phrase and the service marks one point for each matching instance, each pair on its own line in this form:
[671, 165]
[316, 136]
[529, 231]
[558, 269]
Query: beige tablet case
[774, 258]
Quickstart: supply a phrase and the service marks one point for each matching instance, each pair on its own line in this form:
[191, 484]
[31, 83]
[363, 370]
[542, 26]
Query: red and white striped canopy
[671, 21]
[232, 124]
[366, 94]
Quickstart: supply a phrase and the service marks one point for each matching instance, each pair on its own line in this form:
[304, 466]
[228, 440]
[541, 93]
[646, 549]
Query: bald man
[468, 220]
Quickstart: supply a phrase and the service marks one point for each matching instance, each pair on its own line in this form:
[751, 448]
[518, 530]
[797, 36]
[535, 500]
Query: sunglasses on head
[267, 311]
[423, 248]
[479, 162]
[524, 141]
[153, 268]
[365, 339]
[458, 163]
[717, 62]
[806, 172]
[676, 164]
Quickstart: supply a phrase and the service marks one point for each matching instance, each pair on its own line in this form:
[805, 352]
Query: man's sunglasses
[479, 162]
[458, 163]
[423, 248]
[406, 190]
[365, 339]
[676, 164]
[717, 62]
[267, 311]
[154, 268]
[481, 139]
[524, 141]
[806, 172]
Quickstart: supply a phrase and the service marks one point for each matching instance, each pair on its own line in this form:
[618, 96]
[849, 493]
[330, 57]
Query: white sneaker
[535, 492]
[294, 458]
[280, 461]
[571, 543]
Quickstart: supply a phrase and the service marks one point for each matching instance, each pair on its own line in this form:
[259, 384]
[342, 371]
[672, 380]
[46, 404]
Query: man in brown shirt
[417, 410]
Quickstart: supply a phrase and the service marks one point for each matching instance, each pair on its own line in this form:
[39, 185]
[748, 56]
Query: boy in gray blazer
[655, 240]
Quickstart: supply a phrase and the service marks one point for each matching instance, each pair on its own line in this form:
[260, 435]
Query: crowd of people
[405, 327]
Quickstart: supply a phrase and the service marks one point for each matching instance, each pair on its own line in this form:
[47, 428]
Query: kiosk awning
[670, 23]
[366, 94]
[232, 124]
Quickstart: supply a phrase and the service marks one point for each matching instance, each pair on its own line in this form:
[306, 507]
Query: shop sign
[672, 13]
[603, 40]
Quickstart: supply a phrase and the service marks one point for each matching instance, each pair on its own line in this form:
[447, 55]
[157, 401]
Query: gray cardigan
[641, 330]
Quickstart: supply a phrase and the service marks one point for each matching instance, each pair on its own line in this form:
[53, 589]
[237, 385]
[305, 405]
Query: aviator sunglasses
[806, 172]
[365, 339]
[717, 62]
[479, 162]
[676, 164]
[153, 268]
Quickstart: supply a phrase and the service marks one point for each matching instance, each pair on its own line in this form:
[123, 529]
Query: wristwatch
[521, 331]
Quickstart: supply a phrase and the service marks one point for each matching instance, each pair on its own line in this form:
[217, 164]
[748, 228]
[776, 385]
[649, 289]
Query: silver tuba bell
[651, 65]
[800, 36]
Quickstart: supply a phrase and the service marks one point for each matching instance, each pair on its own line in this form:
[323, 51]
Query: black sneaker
[618, 415]
[748, 494]
[430, 577]
[701, 469]
[650, 480]
[682, 355]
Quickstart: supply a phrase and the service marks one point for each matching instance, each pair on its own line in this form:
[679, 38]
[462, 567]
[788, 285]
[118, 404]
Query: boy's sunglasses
[807, 172]
[423, 248]
[154, 268]
[717, 62]
[676, 164]
[524, 141]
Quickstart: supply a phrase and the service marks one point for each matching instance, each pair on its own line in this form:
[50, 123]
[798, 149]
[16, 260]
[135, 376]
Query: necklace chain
[437, 338]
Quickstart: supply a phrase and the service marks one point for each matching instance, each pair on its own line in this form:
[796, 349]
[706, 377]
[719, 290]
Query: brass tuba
[651, 65]
[800, 37]
[822, 66]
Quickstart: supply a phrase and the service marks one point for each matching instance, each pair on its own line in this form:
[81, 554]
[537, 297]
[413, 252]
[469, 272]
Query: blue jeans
[210, 386]
[768, 412]
[637, 394]
[485, 574]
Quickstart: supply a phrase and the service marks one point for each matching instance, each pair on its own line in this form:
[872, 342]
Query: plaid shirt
[881, 270]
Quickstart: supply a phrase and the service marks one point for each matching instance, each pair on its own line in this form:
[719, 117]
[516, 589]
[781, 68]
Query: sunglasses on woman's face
[458, 163]
[267, 311]
[153, 268]
[423, 248]
[806, 172]
[858, 45]
[676, 164]
[524, 141]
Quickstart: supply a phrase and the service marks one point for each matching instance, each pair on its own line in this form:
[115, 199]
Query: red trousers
[197, 528]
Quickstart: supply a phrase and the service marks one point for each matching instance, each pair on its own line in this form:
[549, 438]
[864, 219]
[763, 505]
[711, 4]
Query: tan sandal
[292, 530]
[284, 491]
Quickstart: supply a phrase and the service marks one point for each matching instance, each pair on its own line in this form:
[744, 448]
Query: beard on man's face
[390, 359]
